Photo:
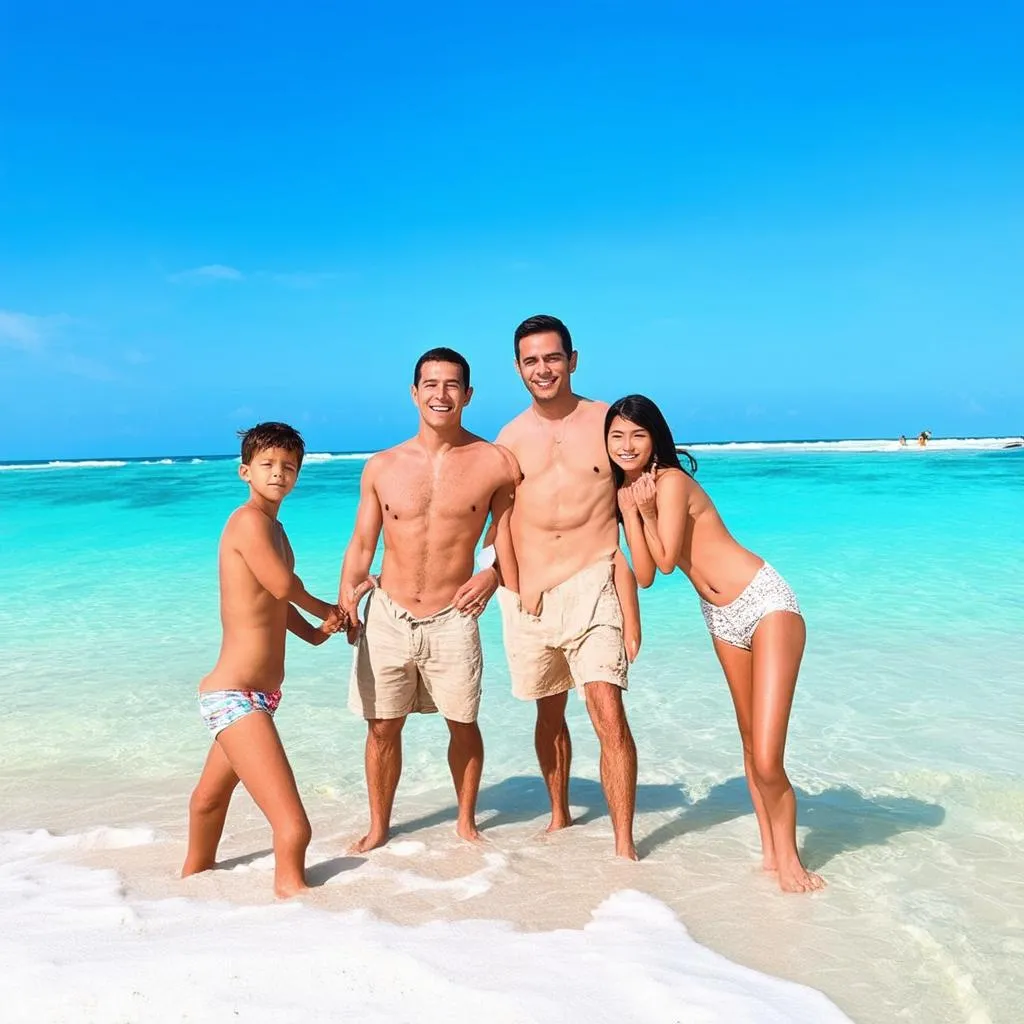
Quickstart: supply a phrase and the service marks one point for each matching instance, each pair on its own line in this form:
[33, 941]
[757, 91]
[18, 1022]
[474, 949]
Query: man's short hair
[542, 324]
[442, 355]
[271, 435]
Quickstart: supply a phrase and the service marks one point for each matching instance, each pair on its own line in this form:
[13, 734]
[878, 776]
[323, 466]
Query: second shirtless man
[419, 648]
[565, 627]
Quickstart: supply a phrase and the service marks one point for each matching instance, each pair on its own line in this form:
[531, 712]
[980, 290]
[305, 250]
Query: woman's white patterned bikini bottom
[736, 621]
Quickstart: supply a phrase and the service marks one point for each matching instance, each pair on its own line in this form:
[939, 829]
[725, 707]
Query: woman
[751, 612]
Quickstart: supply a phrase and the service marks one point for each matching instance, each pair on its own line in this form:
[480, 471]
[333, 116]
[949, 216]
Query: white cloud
[209, 272]
[26, 332]
[38, 337]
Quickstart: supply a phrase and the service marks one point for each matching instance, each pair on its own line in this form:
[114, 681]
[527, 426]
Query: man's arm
[355, 569]
[473, 595]
[629, 602]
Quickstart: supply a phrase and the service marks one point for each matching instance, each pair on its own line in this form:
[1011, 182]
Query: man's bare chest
[450, 495]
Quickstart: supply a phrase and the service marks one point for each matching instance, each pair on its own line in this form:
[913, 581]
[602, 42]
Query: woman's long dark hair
[644, 413]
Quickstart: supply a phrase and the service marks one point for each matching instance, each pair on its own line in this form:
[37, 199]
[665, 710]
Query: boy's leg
[207, 810]
[383, 769]
[466, 761]
[254, 750]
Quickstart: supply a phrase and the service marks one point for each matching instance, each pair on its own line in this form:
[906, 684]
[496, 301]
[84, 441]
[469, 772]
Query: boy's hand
[336, 621]
[631, 639]
[645, 494]
[472, 597]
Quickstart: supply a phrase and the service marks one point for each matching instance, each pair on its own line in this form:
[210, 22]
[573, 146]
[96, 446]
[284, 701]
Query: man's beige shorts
[404, 664]
[576, 639]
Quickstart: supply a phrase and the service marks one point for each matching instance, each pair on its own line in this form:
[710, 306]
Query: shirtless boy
[566, 627]
[258, 591]
[419, 649]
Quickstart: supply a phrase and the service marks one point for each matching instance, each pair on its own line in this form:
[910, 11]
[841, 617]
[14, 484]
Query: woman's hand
[626, 502]
[645, 495]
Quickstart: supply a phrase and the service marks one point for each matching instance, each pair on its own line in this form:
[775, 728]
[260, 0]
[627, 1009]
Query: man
[419, 648]
[565, 627]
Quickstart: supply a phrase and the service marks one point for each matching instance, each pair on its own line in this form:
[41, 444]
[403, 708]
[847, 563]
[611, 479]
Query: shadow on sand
[838, 820]
[316, 875]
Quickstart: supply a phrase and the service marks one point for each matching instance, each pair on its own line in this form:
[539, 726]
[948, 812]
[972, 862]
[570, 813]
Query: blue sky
[779, 220]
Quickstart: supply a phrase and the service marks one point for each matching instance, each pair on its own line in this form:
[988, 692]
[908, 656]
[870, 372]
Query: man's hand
[631, 640]
[472, 597]
[335, 622]
[349, 605]
[645, 494]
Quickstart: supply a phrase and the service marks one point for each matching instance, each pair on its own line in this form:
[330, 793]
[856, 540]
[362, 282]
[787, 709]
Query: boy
[258, 591]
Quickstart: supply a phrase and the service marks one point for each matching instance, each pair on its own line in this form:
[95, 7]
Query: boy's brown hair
[271, 435]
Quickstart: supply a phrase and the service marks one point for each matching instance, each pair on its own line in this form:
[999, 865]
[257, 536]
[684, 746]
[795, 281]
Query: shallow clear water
[905, 741]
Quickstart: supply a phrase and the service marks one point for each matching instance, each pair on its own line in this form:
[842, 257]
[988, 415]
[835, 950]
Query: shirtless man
[566, 627]
[419, 649]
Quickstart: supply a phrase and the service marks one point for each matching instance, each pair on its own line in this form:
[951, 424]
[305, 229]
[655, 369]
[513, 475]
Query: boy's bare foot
[191, 867]
[469, 832]
[371, 841]
[286, 890]
[796, 878]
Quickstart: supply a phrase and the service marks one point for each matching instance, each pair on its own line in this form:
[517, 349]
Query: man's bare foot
[627, 851]
[371, 841]
[558, 822]
[468, 832]
[286, 890]
[796, 878]
[768, 864]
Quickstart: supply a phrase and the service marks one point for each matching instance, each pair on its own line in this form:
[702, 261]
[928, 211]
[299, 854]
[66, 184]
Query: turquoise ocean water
[905, 742]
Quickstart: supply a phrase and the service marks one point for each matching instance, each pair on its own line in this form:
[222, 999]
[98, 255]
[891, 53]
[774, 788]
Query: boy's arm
[314, 635]
[355, 569]
[252, 535]
[308, 603]
[629, 602]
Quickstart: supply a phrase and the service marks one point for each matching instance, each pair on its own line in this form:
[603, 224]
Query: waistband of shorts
[247, 691]
[603, 568]
[395, 610]
[765, 569]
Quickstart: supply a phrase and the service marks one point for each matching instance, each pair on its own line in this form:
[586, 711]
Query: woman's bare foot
[796, 878]
[371, 841]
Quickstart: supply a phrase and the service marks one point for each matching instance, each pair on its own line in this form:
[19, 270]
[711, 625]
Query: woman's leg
[777, 650]
[737, 664]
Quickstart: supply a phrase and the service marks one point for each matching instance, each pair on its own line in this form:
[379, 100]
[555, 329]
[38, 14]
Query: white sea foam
[336, 457]
[64, 464]
[75, 949]
[880, 445]
[158, 462]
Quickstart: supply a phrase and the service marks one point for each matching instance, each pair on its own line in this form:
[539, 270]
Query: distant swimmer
[752, 614]
[924, 437]
[903, 440]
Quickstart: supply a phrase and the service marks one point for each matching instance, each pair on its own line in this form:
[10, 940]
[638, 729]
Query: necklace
[557, 435]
